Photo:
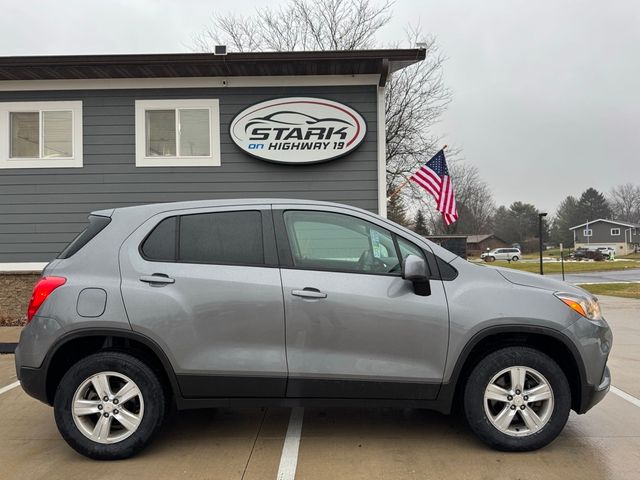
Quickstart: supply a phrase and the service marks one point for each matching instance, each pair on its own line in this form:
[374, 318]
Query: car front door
[355, 328]
[204, 284]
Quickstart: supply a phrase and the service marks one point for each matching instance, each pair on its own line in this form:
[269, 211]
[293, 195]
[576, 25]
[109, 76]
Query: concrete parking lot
[343, 443]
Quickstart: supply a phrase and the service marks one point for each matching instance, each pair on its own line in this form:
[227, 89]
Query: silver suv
[285, 302]
[510, 254]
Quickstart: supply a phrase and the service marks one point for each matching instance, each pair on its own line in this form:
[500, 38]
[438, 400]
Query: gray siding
[601, 233]
[43, 209]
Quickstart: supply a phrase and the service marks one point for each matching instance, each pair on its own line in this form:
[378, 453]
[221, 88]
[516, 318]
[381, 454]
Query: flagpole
[404, 184]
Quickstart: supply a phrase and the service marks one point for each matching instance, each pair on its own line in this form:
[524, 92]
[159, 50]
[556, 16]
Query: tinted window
[96, 225]
[225, 237]
[160, 245]
[331, 241]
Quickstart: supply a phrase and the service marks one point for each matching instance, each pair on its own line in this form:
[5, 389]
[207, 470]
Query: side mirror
[415, 270]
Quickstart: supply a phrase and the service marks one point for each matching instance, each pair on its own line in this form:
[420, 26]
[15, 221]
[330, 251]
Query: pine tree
[592, 205]
[420, 224]
[397, 210]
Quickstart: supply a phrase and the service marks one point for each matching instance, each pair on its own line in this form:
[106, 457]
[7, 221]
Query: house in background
[476, 244]
[624, 237]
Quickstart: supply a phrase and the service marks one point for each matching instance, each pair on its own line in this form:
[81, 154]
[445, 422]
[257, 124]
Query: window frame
[76, 158]
[212, 160]
[587, 232]
[616, 234]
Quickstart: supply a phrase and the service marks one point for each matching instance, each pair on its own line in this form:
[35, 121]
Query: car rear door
[355, 328]
[204, 284]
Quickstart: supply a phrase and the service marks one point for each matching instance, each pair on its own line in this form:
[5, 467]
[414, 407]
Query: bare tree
[474, 201]
[298, 25]
[415, 96]
[625, 202]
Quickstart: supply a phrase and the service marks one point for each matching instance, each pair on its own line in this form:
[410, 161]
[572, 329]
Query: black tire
[149, 386]
[515, 258]
[490, 259]
[490, 366]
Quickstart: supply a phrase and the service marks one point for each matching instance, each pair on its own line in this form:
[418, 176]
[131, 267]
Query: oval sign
[298, 130]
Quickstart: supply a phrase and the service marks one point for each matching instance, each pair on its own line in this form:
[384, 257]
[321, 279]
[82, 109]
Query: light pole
[540, 216]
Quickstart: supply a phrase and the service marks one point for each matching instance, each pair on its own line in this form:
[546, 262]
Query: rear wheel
[109, 405]
[517, 399]
[515, 258]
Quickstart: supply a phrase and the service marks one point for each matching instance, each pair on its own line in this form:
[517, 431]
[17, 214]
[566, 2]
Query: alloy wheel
[518, 401]
[107, 407]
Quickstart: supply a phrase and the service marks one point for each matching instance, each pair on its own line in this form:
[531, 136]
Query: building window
[40, 134]
[177, 133]
[588, 232]
[615, 232]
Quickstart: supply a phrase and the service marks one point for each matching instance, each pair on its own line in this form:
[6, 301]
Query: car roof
[160, 207]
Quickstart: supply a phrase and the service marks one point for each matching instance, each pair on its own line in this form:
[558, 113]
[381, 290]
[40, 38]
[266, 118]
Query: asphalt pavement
[630, 275]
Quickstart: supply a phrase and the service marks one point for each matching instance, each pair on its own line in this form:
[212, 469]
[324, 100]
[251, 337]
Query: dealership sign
[298, 130]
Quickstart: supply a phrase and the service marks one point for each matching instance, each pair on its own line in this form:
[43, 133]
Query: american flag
[434, 178]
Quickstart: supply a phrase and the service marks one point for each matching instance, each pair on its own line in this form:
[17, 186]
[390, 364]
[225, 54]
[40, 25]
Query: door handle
[309, 292]
[157, 279]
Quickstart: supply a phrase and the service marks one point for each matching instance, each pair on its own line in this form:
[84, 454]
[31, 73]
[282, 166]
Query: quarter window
[336, 242]
[177, 133]
[40, 134]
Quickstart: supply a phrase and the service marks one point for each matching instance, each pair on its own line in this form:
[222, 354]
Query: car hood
[537, 281]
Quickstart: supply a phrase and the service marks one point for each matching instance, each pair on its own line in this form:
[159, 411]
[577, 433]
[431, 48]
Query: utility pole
[540, 217]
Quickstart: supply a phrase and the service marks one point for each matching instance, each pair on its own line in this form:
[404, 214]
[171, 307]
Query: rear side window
[217, 238]
[225, 237]
[96, 225]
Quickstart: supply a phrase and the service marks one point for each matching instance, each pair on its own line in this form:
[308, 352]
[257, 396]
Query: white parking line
[9, 387]
[289, 458]
[626, 396]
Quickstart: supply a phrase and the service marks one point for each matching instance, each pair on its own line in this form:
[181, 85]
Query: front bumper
[592, 395]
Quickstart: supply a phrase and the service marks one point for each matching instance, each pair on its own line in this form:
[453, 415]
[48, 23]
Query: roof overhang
[184, 65]
[614, 222]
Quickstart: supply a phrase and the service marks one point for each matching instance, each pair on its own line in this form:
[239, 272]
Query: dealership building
[86, 133]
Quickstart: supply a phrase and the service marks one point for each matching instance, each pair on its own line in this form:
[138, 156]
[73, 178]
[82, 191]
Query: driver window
[332, 241]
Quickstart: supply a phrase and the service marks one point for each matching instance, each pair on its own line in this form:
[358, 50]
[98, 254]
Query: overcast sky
[546, 95]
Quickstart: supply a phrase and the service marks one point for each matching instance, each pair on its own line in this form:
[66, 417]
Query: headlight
[588, 307]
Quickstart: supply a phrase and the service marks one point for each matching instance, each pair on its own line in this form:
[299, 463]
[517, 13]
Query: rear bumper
[32, 380]
[592, 395]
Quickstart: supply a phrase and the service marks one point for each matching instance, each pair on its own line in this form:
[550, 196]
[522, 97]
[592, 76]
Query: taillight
[41, 291]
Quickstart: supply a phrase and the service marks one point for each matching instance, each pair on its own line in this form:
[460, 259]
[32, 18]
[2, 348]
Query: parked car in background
[291, 302]
[511, 254]
[587, 254]
[608, 252]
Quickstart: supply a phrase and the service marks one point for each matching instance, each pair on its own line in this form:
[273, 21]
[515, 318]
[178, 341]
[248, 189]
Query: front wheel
[489, 259]
[517, 399]
[109, 405]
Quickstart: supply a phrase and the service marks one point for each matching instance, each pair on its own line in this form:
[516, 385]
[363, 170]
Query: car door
[205, 285]
[355, 328]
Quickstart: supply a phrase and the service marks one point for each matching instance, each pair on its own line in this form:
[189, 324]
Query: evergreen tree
[567, 216]
[397, 210]
[591, 206]
[420, 224]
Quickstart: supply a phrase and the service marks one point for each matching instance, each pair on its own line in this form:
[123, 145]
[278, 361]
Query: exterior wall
[489, 243]
[601, 232]
[41, 210]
